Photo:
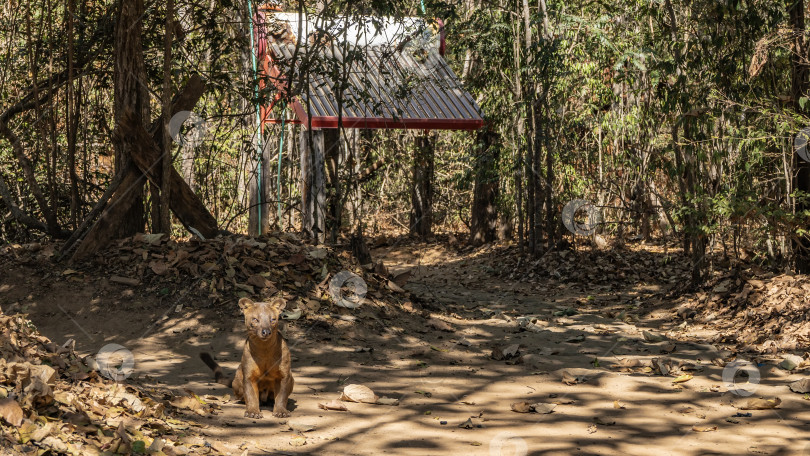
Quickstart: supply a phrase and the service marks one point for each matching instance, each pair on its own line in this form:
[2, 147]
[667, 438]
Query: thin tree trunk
[332, 159]
[165, 225]
[313, 197]
[421, 216]
[73, 102]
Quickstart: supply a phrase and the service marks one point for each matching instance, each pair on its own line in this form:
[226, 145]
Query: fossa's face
[262, 318]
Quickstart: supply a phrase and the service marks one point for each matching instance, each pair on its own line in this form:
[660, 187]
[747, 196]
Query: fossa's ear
[279, 303]
[245, 304]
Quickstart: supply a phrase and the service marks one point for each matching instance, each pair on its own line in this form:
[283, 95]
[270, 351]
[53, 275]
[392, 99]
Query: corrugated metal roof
[386, 86]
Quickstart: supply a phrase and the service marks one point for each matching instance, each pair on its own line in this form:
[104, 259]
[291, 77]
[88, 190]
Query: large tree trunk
[130, 92]
[421, 217]
[484, 213]
[146, 149]
[313, 196]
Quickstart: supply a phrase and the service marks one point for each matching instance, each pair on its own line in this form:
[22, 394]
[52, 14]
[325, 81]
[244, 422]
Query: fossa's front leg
[283, 387]
[252, 399]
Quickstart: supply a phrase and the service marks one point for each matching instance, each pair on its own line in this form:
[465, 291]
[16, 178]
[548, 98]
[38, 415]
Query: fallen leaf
[159, 267]
[521, 407]
[682, 378]
[26, 429]
[663, 365]
[439, 325]
[358, 393]
[567, 312]
[298, 440]
[394, 287]
[300, 426]
[800, 386]
[402, 278]
[388, 401]
[650, 337]
[318, 254]
[259, 282]
[538, 407]
[760, 404]
[791, 362]
[502, 353]
[543, 408]
[333, 405]
[11, 412]
[700, 428]
[570, 379]
[467, 424]
[292, 314]
[628, 363]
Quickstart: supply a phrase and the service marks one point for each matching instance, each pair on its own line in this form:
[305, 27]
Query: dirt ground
[445, 374]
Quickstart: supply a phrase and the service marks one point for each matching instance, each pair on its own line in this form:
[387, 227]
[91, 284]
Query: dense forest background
[676, 119]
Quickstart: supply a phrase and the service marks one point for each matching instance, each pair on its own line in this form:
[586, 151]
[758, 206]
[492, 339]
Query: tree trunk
[187, 154]
[167, 164]
[72, 110]
[331, 143]
[800, 83]
[147, 148]
[267, 175]
[358, 153]
[484, 213]
[313, 196]
[421, 217]
[130, 93]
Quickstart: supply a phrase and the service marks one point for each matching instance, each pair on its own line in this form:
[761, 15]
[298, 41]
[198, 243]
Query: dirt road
[591, 352]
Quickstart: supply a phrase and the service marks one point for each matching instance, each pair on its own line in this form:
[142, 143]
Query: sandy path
[441, 380]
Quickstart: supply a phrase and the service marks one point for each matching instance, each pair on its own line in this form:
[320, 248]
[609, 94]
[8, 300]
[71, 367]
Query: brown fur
[265, 369]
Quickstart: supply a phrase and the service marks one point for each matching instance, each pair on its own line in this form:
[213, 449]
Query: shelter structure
[356, 73]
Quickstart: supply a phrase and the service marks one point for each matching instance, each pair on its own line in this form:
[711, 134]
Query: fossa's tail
[219, 376]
